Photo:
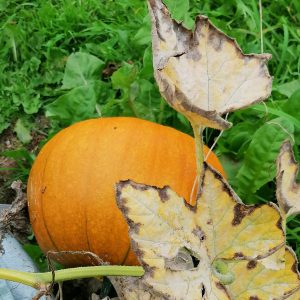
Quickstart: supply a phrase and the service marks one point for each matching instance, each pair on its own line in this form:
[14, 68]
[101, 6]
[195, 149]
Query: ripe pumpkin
[71, 193]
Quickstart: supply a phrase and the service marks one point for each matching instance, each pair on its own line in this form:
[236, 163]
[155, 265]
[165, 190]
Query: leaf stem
[198, 131]
[36, 280]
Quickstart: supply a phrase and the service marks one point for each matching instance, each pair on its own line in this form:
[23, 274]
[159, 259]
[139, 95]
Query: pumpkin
[71, 194]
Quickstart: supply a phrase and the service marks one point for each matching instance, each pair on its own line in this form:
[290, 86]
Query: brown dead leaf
[203, 74]
[226, 237]
[288, 191]
[15, 218]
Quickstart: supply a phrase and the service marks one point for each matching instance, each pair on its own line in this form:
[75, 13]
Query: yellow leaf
[239, 231]
[203, 73]
[275, 261]
[218, 232]
[257, 282]
[288, 191]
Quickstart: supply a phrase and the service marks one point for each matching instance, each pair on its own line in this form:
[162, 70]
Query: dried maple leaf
[224, 236]
[203, 73]
[14, 219]
[288, 191]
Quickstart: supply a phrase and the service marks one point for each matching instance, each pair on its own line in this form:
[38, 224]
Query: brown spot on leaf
[209, 222]
[285, 205]
[179, 95]
[253, 298]
[238, 51]
[262, 70]
[279, 224]
[294, 267]
[199, 233]
[121, 203]
[238, 255]
[216, 40]
[210, 115]
[135, 247]
[150, 270]
[225, 187]
[201, 21]
[119, 186]
[194, 54]
[251, 264]
[190, 207]
[140, 187]
[135, 227]
[163, 194]
[240, 212]
[138, 252]
[220, 286]
[269, 252]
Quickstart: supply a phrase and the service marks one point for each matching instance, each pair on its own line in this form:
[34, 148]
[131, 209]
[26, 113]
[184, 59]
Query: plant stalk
[36, 280]
[198, 131]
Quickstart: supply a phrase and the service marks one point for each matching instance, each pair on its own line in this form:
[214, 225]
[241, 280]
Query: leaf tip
[287, 191]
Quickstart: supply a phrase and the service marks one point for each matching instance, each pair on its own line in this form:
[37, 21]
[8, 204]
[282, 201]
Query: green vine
[38, 280]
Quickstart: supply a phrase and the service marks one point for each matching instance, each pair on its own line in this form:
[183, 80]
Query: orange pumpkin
[71, 192]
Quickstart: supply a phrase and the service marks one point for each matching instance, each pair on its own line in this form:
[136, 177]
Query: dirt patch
[9, 169]
[8, 141]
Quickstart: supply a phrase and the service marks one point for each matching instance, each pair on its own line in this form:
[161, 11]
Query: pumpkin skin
[71, 194]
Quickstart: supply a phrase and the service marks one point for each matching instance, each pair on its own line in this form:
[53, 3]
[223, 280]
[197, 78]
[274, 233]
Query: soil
[85, 289]
[8, 141]
[8, 166]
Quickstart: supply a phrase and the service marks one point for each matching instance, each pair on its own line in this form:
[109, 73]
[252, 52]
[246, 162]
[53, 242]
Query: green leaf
[37, 256]
[231, 166]
[143, 35]
[19, 155]
[277, 112]
[238, 137]
[178, 8]
[81, 69]
[76, 105]
[124, 77]
[258, 167]
[23, 133]
[3, 124]
[31, 104]
[288, 88]
[292, 106]
[147, 70]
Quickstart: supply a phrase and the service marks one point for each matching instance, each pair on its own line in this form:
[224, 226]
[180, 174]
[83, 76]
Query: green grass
[39, 37]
